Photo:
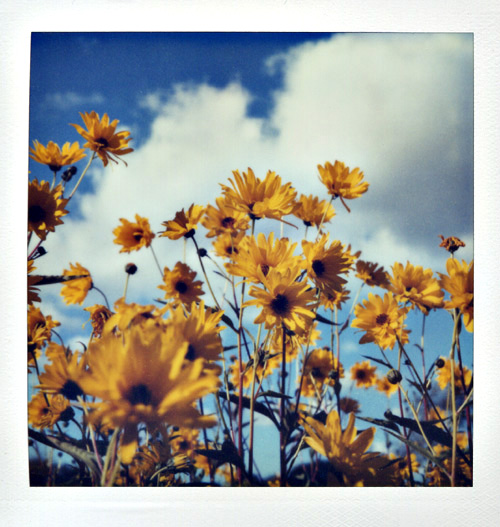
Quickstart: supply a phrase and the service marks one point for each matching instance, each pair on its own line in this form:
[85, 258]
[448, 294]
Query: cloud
[398, 106]
[66, 100]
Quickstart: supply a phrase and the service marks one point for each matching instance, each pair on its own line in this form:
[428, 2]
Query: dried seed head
[131, 268]
[394, 376]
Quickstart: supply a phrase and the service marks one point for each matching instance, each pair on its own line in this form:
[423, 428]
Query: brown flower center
[102, 142]
[318, 267]
[191, 353]
[139, 394]
[181, 287]
[36, 214]
[279, 304]
[265, 269]
[228, 222]
[381, 319]
[71, 390]
[138, 237]
[360, 374]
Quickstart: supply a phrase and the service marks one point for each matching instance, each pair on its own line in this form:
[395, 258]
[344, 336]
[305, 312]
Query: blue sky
[399, 106]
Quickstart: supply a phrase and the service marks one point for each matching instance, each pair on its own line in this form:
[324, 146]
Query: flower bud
[131, 268]
[440, 363]
[394, 376]
[68, 174]
[202, 252]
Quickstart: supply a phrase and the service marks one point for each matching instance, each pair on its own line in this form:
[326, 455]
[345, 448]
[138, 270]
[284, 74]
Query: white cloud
[70, 99]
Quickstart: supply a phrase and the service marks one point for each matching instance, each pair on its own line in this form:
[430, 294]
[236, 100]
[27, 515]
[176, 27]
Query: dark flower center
[102, 142]
[381, 319]
[138, 237]
[183, 445]
[71, 390]
[360, 374]
[316, 372]
[190, 233]
[318, 267]
[45, 411]
[265, 269]
[55, 168]
[36, 214]
[191, 353]
[228, 222]
[279, 304]
[181, 287]
[139, 394]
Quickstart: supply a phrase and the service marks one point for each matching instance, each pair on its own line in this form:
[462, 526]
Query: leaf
[270, 393]
[320, 318]
[380, 422]
[229, 322]
[57, 279]
[227, 454]
[245, 401]
[378, 360]
[432, 432]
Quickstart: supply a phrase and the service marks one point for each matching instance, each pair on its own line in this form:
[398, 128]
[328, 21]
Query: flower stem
[83, 173]
[205, 273]
[283, 434]
[156, 260]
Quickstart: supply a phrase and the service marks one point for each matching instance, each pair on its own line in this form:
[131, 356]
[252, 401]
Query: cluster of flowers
[136, 393]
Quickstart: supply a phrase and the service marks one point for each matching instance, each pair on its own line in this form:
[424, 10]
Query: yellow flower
[295, 340]
[180, 284]
[284, 301]
[364, 374]
[382, 320]
[45, 208]
[134, 392]
[444, 375]
[402, 465]
[264, 368]
[200, 329]
[75, 290]
[259, 255]
[346, 451]
[101, 137]
[416, 285]
[312, 211]
[368, 272]
[451, 244]
[226, 245]
[39, 328]
[53, 157]
[32, 280]
[184, 441]
[184, 223]
[99, 314]
[342, 183]
[460, 284]
[348, 405]
[224, 219]
[42, 415]
[126, 315]
[64, 374]
[321, 369]
[260, 199]
[335, 299]
[325, 265]
[384, 386]
[133, 235]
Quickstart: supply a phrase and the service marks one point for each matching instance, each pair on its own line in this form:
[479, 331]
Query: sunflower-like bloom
[382, 320]
[364, 374]
[53, 157]
[325, 265]
[101, 137]
[463, 476]
[402, 465]
[184, 441]
[75, 291]
[416, 285]
[32, 281]
[335, 299]
[260, 199]
[45, 208]
[321, 369]
[348, 406]
[39, 328]
[444, 375]
[256, 256]
[228, 245]
[383, 385]
[223, 219]
[265, 368]
[451, 244]
[312, 211]
[371, 275]
[295, 340]
[64, 374]
[99, 315]
[200, 329]
[43, 415]
[460, 284]
[134, 392]
[284, 301]
[346, 452]
[184, 223]
[133, 235]
[180, 284]
[126, 315]
[341, 182]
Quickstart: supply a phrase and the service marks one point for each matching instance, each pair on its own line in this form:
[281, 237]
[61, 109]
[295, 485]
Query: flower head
[312, 211]
[416, 285]
[45, 208]
[444, 375]
[184, 223]
[371, 275]
[224, 219]
[42, 415]
[133, 235]
[459, 283]
[75, 290]
[101, 137]
[383, 385]
[284, 301]
[341, 182]
[180, 284]
[364, 374]
[227, 245]
[260, 199]
[321, 369]
[99, 315]
[382, 320]
[451, 244]
[53, 157]
[334, 299]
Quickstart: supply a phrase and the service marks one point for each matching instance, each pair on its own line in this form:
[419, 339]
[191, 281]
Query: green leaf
[245, 401]
[270, 393]
[378, 360]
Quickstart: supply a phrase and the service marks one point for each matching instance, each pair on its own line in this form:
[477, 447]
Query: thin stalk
[92, 436]
[126, 287]
[103, 295]
[204, 272]
[108, 457]
[465, 389]
[426, 408]
[83, 173]
[156, 260]
[456, 316]
[283, 434]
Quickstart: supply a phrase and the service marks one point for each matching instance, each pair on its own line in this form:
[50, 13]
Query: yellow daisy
[75, 290]
[133, 235]
[371, 275]
[459, 283]
[101, 137]
[53, 157]
[383, 385]
[312, 211]
[45, 208]
[223, 219]
[184, 223]
[180, 284]
[321, 369]
[364, 374]
[42, 415]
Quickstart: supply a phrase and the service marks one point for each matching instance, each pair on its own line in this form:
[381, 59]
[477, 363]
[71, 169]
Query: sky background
[199, 105]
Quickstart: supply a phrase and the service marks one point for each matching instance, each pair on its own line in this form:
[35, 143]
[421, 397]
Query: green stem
[83, 173]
